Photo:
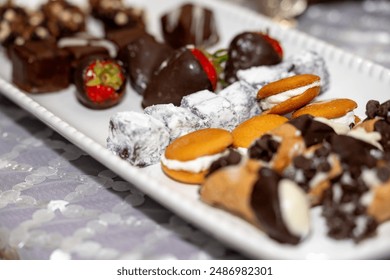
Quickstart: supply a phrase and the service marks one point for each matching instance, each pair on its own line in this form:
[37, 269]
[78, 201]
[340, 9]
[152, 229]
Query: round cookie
[248, 131]
[330, 109]
[289, 94]
[339, 110]
[188, 158]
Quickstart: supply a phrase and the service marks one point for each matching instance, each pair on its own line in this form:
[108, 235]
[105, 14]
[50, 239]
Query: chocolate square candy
[189, 24]
[115, 14]
[40, 66]
[83, 45]
[63, 18]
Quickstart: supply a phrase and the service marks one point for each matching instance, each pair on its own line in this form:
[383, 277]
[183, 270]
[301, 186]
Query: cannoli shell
[292, 145]
[380, 205]
[230, 188]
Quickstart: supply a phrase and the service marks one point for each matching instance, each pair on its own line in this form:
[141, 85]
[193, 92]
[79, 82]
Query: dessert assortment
[247, 124]
[277, 152]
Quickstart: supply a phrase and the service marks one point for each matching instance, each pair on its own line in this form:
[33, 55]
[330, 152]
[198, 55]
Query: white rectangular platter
[351, 77]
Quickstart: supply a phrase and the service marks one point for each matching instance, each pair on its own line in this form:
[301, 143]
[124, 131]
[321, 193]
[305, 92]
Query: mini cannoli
[276, 205]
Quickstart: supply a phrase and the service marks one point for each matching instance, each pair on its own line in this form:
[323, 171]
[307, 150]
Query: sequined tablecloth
[56, 202]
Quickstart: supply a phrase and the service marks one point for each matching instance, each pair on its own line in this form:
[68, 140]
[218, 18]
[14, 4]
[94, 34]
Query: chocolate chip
[384, 109]
[312, 131]
[302, 163]
[324, 166]
[264, 148]
[383, 127]
[232, 158]
[124, 154]
[323, 151]
[372, 107]
[383, 173]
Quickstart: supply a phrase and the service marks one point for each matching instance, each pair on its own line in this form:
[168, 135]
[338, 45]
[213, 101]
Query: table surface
[56, 202]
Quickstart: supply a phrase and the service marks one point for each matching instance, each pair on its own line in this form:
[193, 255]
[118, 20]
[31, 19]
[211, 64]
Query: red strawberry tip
[103, 79]
[207, 66]
[274, 43]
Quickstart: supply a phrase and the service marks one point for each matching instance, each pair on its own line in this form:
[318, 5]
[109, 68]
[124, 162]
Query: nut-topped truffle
[63, 18]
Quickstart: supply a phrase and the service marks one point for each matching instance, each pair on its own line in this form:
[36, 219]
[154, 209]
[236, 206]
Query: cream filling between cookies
[294, 207]
[273, 100]
[347, 119]
[195, 166]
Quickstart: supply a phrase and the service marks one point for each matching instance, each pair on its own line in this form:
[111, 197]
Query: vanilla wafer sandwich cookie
[250, 130]
[188, 158]
[339, 111]
[289, 94]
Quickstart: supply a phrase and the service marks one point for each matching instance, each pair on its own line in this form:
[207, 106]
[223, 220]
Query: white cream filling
[195, 166]
[273, 100]
[243, 151]
[347, 119]
[294, 206]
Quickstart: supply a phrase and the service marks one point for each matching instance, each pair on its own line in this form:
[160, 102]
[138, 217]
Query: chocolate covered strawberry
[100, 82]
[249, 49]
[186, 71]
[142, 57]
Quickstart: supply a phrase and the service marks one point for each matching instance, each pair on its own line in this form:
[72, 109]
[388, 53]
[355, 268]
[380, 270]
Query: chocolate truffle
[189, 25]
[13, 23]
[40, 66]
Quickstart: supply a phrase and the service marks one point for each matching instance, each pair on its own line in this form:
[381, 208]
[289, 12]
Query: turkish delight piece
[310, 62]
[214, 109]
[243, 99]
[179, 121]
[305, 62]
[191, 100]
[138, 138]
